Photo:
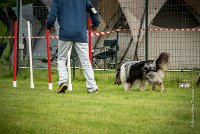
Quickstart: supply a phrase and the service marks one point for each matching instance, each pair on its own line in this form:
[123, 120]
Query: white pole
[30, 55]
[50, 86]
[14, 83]
[69, 70]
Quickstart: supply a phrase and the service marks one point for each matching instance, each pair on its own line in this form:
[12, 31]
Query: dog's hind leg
[127, 86]
[153, 87]
[143, 83]
[142, 87]
[162, 87]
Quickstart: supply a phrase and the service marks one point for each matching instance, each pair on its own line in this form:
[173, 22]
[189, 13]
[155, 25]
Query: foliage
[5, 56]
[12, 3]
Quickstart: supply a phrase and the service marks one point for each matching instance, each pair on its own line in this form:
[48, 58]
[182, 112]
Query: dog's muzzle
[117, 81]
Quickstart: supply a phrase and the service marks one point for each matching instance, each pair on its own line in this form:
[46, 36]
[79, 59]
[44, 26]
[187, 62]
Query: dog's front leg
[162, 87]
[143, 83]
[142, 87]
[127, 86]
[153, 87]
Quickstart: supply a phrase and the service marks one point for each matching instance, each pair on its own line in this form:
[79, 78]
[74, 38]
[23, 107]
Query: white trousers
[82, 51]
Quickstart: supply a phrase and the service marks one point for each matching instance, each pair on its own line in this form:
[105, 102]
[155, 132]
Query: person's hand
[92, 27]
[52, 30]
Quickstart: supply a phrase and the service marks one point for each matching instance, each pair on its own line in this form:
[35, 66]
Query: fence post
[19, 14]
[117, 47]
[146, 31]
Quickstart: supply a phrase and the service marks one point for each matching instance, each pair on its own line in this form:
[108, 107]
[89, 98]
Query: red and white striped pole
[48, 59]
[15, 55]
[90, 40]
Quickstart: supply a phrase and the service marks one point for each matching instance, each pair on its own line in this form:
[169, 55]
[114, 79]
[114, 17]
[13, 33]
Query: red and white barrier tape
[33, 37]
[118, 30]
[104, 33]
[174, 29]
[150, 29]
[6, 37]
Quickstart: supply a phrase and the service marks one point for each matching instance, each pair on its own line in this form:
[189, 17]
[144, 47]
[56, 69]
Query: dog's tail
[162, 62]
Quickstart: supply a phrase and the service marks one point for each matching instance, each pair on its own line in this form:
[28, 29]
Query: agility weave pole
[48, 60]
[15, 55]
[90, 40]
[30, 55]
[49, 64]
[69, 69]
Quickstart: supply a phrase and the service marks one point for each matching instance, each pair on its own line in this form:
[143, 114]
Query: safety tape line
[174, 29]
[118, 30]
[33, 37]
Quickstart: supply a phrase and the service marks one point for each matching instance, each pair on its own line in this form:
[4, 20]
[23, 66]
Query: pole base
[32, 85]
[14, 83]
[50, 86]
[69, 87]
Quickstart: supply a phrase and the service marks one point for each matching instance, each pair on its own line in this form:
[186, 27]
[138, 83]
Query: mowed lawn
[112, 111]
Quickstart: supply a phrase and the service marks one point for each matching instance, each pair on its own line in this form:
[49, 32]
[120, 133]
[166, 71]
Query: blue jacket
[72, 19]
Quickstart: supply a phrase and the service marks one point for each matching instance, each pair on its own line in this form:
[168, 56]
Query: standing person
[72, 19]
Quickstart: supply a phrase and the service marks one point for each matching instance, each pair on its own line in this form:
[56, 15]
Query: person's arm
[93, 13]
[52, 15]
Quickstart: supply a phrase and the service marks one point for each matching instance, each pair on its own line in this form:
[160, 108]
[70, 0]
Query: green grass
[113, 111]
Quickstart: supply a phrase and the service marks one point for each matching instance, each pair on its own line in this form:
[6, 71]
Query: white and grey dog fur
[143, 73]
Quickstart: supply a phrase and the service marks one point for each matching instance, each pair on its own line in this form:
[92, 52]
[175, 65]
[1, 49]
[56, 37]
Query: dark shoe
[93, 91]
[62, 88]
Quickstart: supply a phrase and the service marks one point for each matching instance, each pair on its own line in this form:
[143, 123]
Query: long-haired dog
[143, 72]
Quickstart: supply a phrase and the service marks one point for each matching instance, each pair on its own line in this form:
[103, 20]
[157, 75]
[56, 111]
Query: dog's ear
[117, 79]
[118, 73]
[162, 61]
[145, 69]
[148, 66]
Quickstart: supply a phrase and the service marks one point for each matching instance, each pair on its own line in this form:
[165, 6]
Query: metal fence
[140, 30]
[149, 27]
